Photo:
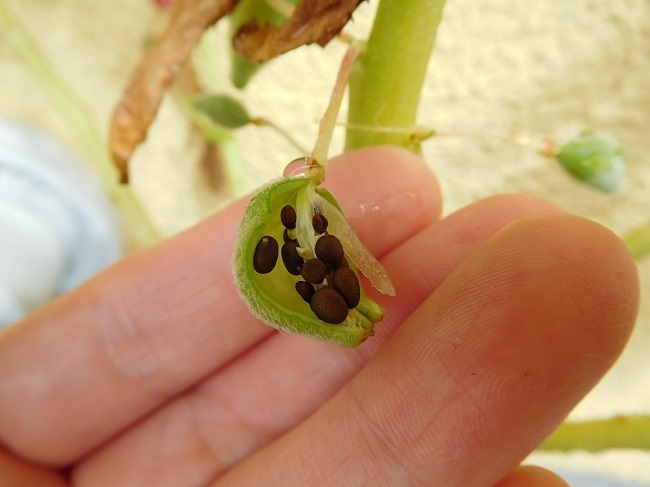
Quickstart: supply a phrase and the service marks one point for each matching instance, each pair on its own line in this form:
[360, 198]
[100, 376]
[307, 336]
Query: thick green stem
[619, 432]
[141, 232]
[387, 79]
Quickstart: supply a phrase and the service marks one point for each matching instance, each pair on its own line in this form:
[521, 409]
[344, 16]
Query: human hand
[154, 373]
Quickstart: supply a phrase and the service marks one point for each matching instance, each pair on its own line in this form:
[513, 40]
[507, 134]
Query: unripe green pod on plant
[596, 159]
[278, 296]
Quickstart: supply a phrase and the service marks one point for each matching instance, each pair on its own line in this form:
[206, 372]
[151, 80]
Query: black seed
[319, 222]
[329, 249]
[287, 238]
[329, 305]
[288, 216]
[266, 255]
[345, 281]
[291, 259]
[314, 271]
[305, 290]
[331, 268]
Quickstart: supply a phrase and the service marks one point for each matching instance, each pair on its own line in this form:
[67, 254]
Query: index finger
[91, 363]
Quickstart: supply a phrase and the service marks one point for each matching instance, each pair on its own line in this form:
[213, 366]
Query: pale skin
[154, 373]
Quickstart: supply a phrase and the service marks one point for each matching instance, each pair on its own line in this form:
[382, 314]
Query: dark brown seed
[329, 249]
[319, 222]
[314, 271]
[343, 263]
[345, 281]
[329, 305]
[287, 238]
[288, 216]
[291, 259]
[305, 290]
[266, 255]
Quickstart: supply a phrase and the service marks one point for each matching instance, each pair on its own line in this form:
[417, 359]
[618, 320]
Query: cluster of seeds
[329, 285]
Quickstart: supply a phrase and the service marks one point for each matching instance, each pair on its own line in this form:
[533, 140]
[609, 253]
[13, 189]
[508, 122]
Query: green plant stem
[629, 432]
[637, 241]
[141, 232]
[387, 79]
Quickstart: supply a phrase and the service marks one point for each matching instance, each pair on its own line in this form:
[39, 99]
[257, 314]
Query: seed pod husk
[283, 300]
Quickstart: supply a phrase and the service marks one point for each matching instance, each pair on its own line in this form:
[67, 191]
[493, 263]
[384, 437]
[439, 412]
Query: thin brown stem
[328, 122]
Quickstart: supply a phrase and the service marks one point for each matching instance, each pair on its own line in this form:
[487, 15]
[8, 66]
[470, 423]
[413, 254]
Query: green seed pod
[273, 296]
[596, 159]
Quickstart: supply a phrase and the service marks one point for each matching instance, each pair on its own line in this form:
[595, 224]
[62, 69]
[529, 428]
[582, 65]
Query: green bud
[596, 159]
[285, 291]
[223, 110]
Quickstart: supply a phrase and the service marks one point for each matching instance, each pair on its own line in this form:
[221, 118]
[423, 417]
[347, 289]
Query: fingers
[531, 476]
[16, 472]
[275, 386]
[86, 366]
[388, 195]
[479, 374]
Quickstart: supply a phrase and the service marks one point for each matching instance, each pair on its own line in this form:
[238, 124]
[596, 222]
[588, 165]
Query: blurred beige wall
[549, 67]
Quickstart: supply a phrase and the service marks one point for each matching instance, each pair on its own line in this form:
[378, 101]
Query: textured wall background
[549, 67]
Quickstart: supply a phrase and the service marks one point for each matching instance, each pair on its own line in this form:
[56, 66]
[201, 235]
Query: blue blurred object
[57, 226]
[579, 479]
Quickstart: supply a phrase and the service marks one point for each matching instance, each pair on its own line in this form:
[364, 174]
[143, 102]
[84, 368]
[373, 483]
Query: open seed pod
[297, 263]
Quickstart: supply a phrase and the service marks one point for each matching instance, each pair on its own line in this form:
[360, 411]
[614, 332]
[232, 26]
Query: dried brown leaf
[157, 69]
[312, 21]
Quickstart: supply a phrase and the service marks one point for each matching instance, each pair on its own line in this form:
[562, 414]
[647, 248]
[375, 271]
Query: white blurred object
[57, 227]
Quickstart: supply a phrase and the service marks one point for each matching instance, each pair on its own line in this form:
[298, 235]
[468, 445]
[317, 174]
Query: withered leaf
[156, 71]
[312, 21]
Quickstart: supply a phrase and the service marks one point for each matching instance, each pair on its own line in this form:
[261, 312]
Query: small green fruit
[313, 288]
[596, 159]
